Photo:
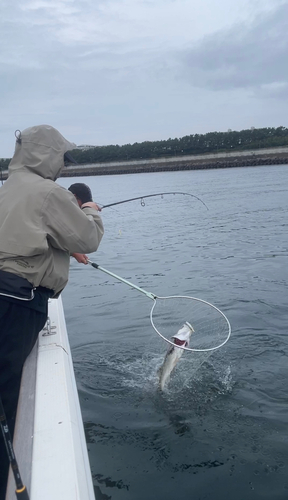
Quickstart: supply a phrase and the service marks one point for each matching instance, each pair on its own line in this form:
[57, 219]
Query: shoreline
[261, 157]
[272, 156]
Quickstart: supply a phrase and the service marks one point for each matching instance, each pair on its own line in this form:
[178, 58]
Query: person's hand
[91, 204]
[80, 257]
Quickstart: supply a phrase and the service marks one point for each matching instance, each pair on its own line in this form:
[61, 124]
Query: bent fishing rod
[152, 195]
[21, 490]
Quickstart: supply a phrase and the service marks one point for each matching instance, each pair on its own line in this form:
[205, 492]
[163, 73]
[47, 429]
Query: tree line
[212, 142]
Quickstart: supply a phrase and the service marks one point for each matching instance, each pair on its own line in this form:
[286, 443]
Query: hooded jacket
[41, 223]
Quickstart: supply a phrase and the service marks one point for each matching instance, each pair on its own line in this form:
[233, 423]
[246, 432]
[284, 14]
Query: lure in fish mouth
[181, 338]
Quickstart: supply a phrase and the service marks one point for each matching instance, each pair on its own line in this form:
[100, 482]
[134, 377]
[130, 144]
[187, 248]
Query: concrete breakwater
[275, 156]
[268, 156]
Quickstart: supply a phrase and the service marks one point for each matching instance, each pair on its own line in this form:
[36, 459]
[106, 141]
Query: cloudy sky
[125, 71]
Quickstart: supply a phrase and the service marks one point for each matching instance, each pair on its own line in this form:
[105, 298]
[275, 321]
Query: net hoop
[197, 300]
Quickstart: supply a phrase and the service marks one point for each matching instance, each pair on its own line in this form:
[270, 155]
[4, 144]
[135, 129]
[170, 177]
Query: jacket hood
[40, 150]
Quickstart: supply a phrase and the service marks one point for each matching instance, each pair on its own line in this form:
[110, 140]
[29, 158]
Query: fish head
[182, 337]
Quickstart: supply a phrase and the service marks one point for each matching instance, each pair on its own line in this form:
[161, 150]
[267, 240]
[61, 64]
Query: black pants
[19, 329]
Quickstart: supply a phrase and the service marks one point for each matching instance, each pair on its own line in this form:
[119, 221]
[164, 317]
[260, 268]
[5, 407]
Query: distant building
[84, 147]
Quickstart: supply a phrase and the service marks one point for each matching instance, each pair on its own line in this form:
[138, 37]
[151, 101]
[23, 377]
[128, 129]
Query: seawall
[268, 156]
[273, 156]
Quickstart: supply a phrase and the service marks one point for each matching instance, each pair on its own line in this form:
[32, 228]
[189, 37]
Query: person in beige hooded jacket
[41, 225]
[40, 222]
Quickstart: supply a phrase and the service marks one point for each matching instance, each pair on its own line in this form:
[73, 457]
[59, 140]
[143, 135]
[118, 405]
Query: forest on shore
[195, 144]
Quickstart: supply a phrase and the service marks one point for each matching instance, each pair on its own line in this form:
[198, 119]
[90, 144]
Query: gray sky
[125, 71]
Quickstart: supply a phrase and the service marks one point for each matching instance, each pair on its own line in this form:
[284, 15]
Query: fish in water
[181, 338]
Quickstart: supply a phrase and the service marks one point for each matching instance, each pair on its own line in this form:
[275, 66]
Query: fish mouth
[179, 342]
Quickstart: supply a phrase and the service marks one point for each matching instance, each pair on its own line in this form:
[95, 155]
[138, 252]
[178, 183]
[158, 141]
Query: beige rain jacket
[41, 223]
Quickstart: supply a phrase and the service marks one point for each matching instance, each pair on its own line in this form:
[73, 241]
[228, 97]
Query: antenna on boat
[21, 490]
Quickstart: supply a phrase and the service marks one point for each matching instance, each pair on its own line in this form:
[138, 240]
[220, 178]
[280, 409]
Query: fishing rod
[21, 491]
[150, 196]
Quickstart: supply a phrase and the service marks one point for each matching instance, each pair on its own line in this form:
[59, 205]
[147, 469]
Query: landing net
[211, 327]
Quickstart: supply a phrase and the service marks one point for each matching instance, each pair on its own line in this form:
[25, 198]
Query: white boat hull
[58, 465]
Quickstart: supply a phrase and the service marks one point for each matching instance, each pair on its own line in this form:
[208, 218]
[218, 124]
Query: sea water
[220, 429]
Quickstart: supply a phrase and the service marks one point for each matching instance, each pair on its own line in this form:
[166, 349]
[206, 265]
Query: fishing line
[21, 491]
[211, 327]
[152, 195]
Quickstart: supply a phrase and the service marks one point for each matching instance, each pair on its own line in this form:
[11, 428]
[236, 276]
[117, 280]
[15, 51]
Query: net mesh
[211, 327]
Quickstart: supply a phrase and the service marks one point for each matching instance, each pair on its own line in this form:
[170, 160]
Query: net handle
[148, 294]
[198, 300]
